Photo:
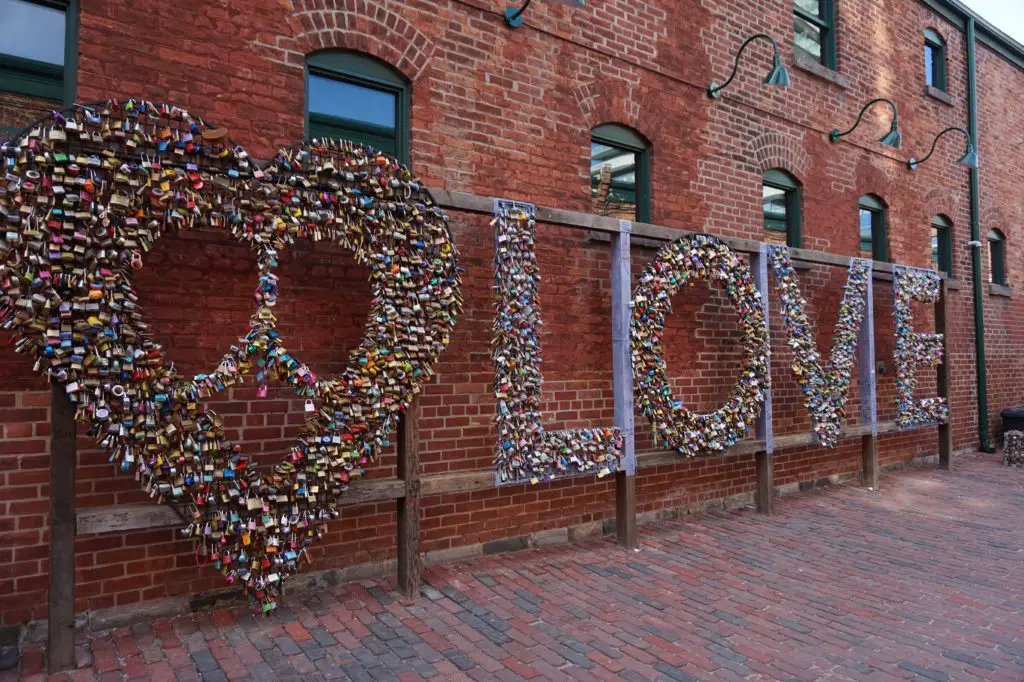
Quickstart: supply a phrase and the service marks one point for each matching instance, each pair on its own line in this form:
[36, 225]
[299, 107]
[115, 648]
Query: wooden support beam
[60, 648]
[942, 372]
[410, 561]
[473, 203]
[868, 400]
[763, 427]
[765, 483]
[622, 387]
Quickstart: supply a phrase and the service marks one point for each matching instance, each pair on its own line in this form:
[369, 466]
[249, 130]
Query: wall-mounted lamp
[893, 138]
[777, 76]
[969, 159]
[514, 16]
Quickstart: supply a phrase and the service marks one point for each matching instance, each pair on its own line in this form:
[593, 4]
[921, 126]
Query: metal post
[622, 377]
[764, 459]
[942, 378]
[868, 405]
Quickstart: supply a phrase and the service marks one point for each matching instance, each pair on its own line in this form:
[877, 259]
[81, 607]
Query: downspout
[979, 292]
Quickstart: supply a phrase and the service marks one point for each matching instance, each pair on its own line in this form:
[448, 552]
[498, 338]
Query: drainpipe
[979, 292]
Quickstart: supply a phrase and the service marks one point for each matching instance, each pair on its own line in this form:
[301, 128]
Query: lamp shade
[778, 75]
[893, 138]
[970, 159]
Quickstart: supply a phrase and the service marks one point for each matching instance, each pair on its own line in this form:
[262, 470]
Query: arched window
[780, 197]
[874, 228]
[620, 173]
[934, 59]
[353, 96]
[997, 257]
[942, 244]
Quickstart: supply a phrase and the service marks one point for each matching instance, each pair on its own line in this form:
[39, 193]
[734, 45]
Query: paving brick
[807, 611]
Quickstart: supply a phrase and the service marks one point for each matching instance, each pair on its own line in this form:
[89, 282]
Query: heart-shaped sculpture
[86, 195]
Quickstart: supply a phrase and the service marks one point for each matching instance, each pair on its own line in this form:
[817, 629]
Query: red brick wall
[1002, 208]
[508, 113]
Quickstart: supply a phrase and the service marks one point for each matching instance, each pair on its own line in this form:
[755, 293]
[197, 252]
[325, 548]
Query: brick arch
[873, 180]
[777, 150]
[993, 217]
[940, 202]
[363, 26]
[608, 101]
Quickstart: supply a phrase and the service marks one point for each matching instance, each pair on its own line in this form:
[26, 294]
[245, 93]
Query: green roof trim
[956, 13]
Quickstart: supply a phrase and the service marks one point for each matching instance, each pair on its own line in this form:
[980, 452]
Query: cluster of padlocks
[681, 263]
[86, 194]
[526, 450]
[915, 349]
[825, 388]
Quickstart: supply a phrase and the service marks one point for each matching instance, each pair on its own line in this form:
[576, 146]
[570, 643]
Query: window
[620, 173]
[997, 257]
[874, 240]
[814, 30]
[934, 60]
[780, 196]
[352, 96]
[39, 48]
[942, 244]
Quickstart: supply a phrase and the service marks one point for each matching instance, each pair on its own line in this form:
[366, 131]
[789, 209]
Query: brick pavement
[920, 581]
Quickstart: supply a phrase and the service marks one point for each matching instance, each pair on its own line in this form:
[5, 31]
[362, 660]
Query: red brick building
[596, 107]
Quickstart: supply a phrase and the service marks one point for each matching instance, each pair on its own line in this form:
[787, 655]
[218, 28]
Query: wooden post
[622, 387]
[60, 649]
[945, 430]
[763, 428]
[410, 562]
[868, 405]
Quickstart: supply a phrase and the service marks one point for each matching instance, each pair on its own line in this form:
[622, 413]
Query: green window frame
[997, 257]
[874, 227]
[42, 79]
[361, 70]
[934, 59]
[621, 138]
[772, 182]
[820, 16]
[942, 244]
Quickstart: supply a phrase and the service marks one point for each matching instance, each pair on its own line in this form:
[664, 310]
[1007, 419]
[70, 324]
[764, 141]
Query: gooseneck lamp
[969, 159]
[777, 76]
[514, 16]
[893, 138]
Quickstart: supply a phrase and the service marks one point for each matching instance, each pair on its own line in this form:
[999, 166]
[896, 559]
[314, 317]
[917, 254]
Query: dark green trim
[826, 23]
[933, 40]
[370, 72]
[997, 257]
[41, 79]
[31, 78]
[73, 19]
[615, 135]
[793, 226]
[879, 225]
[957, 14]
[944, 237]
[976, 280]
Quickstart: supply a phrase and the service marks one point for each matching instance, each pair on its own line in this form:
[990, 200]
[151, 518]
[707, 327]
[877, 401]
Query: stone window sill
[805, 63]
[953, 284]
[999, 290]
[940, 95]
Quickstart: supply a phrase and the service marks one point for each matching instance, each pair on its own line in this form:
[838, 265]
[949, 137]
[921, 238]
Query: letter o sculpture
[682, 262]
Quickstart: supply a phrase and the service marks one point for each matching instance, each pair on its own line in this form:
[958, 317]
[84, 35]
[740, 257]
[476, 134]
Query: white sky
[1006, 15]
